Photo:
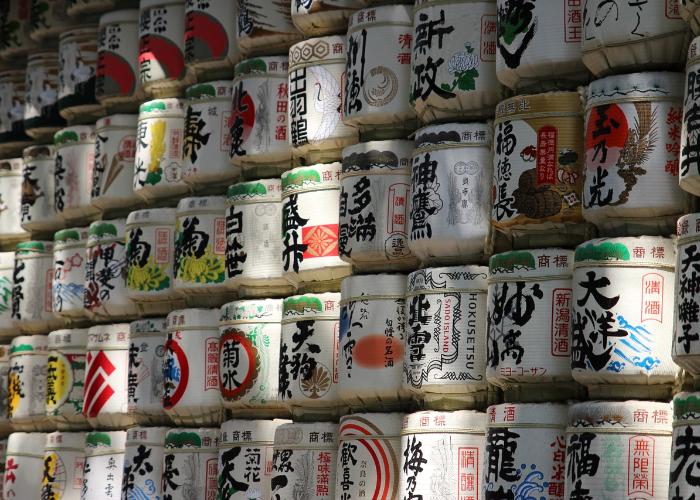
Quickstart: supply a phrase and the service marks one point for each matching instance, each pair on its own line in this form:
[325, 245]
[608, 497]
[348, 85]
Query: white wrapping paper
[210, 38]
[26, 394]
[146, 377]
[38, 202]
[69, 263]
[75, 160]
[11, 183]
[104, 465]
[23, 462]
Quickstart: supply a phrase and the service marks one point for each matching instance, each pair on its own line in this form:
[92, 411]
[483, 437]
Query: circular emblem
[176, 374]
[317, 384]
[238, 364]
[59, 382]
[381, 86]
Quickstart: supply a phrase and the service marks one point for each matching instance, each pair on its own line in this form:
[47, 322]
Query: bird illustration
[326, 101]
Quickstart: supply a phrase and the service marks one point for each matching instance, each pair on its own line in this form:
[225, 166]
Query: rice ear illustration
[113, 171]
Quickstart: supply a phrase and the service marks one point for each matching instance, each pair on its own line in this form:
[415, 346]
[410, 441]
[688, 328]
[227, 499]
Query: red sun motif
[607, 128]
[164, 52]
[245, 109]
[177, 373]
[237, 364]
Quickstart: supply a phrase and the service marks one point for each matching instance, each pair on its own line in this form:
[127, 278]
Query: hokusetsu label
[117, 51]
[209, 32]
[160, 43]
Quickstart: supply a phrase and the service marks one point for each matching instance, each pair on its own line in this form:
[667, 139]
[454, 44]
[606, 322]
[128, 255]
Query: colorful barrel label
[686, 340]
[146, 374]
[159, 152]
[690, 138]
[200, 247]
[38, 189]
[143, 464]
[188, 471]
[65, 385]
[258, 20]
[106, 388]
[73, 172]
[62, 477]
[22, 475]
[246, 365]
[31, 277]
[306, 473]
[149, 258]
[115, 151]
[69, 274]
[116, 59]
[76, 78]
[104, 467]
[106, 269]
[161, 31]
[244, 470]
[209, 30]
[26, 390]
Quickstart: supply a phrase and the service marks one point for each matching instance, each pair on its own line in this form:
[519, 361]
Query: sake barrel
[690, 134]
[314, 444]
[529, 55]
[369, 450]
[374, 193]
[686, 409]
[310, 200]
[149, 260]
[7, 268]
[316, 81]
[686, 338]
[378, 72]
[143, 462]
[146, 357]
[538, 171]
[445, 359]
[162, 70]
[631, 151]
[159, 149]
[64, 460]
[210, 41]
[49, 18]
[453, 67]
[630, 37]
[26, 392]
[265, 28]
[260, 99]
[308, 368]
[5, 427]
[32, 289]
[104, 464]
[194, 451]
[77, 52]
[65, 378]
[323, 17]
[249, 353]
[106, 271]
[691, 14]
[11, 183]
[525, 449]
[40, 117]
[448, 208]
[24, 462]
[208, 135]
[106, 377]
[38, 203]
[16, 25]
[621, 342]
[200, 250]
[13, 91]
[116, 77]
[452, 447]
[78, 7]
[69, 272]
[75, 160]
[254, 239]
[113, 170]
[245, 458]
[629, 441]
[371, 341]
[191, 393]
[529, 325]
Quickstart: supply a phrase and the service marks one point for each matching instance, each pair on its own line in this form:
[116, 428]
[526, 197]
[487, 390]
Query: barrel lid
[219, 89]
[263, 190]
[120, 16]
[647, 86]
[252, 311]
[4, 353]
[641, 250]
[40, 152]
[103, 442]
[149, 325]
[272, 65]
[34, 248]
[688, 227]
[70, 136]
[527, 414]
[309, 434]
[686, 406]
[389, 155]
[68, 337]
[467, 278]
[386, 15]
[369, 425]
[28, 344]
[541, 262]
[215, 204]
[325, 49]
[636, 416]
[375, 286]
[151, 435]
[11, 166]
[106, 337]
[44, 58]
[187, 319]
[444, 422]
[313, 177]
[119, 120]
[26, 443]
[151, 216]
[192, 439]
[7, 260]
[158, 107]
[454, 135]
[69, 237]
[102, 231]
[65, 440]
[248, 431]
[311, 306]
[522, 106]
